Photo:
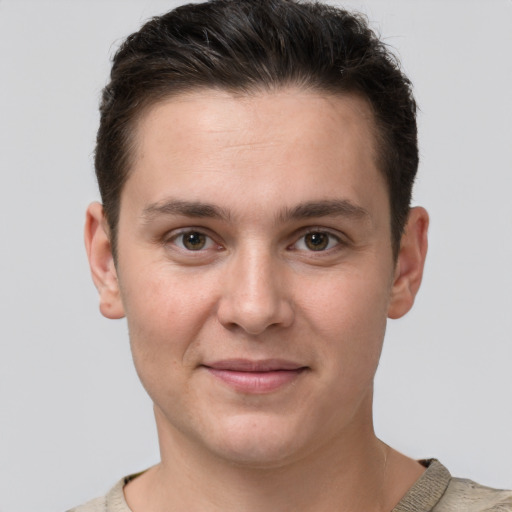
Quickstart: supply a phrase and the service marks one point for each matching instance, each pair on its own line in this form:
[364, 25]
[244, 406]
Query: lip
[255, 377]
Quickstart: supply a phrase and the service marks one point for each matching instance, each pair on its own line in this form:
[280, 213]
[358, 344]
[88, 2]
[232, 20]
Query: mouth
[255, 377]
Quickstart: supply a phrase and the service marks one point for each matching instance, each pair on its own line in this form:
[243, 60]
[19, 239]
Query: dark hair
[250, 45]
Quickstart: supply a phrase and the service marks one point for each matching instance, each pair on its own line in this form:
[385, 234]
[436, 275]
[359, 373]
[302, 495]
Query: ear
[101, 262]
[410, 263]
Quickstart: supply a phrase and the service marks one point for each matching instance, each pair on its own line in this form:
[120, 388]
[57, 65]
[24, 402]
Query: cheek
[165, 313]
[348, 315]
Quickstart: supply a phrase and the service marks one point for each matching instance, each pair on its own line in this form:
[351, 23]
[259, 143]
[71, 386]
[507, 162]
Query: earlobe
[410, 263]
[101, 262]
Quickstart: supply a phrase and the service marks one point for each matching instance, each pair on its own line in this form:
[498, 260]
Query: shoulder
[468, 496]
[437, 491]
[113, 501]
[96, 505]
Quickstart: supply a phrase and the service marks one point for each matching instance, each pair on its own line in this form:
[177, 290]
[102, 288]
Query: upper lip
[249, 365]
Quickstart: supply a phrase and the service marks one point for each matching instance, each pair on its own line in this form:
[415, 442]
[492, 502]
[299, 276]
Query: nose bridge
[254, 294]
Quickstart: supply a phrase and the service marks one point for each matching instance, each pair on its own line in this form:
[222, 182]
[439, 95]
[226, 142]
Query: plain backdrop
[73, 417]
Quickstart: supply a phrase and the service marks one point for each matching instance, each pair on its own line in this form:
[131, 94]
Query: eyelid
[170, 237]
[173, 235]
[340, 239]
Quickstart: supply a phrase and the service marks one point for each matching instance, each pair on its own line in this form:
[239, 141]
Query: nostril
[254, 318]
[253, 296]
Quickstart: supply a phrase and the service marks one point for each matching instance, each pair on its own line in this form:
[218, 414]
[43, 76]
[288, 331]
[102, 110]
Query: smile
[255, 377]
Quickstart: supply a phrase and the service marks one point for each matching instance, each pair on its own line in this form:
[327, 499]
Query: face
[255, 269]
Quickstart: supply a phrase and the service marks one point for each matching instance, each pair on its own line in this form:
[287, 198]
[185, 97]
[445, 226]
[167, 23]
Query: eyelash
[316, 231]
[333, 241]
[190, 231]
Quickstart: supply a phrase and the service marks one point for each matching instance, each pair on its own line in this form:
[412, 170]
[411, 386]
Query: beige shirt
[434, 491]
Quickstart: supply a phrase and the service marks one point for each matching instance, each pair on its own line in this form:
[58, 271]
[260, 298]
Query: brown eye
[193, 240]
[317, 241]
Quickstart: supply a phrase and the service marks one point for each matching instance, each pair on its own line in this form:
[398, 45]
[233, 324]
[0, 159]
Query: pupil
[317, 241]
[194, 241]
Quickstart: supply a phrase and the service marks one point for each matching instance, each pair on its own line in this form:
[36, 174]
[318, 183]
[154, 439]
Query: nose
[254, 293]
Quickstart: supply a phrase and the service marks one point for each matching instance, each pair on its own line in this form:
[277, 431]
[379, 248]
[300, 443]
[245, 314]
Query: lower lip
[256, 382]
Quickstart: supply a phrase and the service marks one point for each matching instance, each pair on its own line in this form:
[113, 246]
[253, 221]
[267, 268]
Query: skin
[253, 288]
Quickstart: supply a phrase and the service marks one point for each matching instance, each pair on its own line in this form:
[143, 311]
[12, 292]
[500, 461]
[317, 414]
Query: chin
[256, 442]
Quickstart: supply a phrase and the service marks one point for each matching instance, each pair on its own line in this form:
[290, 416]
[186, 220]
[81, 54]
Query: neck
[354, 472]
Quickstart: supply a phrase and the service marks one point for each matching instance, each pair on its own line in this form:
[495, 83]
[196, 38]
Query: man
[256, 161]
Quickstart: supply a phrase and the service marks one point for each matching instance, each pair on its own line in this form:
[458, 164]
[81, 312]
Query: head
[244, 47]
[256, 161]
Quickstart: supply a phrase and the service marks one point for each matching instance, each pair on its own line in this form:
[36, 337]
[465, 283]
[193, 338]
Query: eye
[317, 241]
[193, 241]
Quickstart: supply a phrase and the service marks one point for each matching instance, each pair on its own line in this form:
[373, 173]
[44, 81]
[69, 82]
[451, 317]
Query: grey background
[73, 417]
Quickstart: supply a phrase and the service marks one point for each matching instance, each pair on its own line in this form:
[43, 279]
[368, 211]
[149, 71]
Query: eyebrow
[195, 209]
[324, 208]
[307, 210]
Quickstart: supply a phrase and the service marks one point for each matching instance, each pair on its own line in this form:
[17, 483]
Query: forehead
[283, 113]
[300, 142]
